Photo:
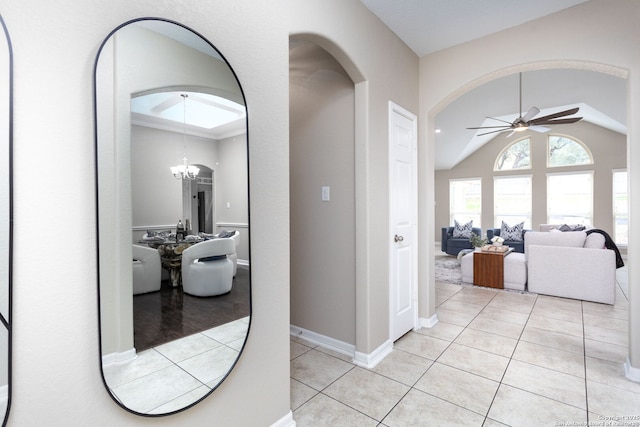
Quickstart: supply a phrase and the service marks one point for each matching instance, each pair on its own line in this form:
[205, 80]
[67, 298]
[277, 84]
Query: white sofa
[570, 265]
[563, 264]
[147, 270]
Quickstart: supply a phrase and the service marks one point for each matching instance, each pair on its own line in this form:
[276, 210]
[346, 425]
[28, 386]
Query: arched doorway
[434, 106]
[322, 196]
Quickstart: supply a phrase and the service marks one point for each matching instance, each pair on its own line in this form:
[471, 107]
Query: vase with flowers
[497, 241]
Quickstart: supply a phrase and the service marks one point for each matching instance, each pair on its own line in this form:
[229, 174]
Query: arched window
[515, 156]
[566, 151]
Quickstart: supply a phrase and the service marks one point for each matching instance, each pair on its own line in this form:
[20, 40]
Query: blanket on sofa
[609, 244]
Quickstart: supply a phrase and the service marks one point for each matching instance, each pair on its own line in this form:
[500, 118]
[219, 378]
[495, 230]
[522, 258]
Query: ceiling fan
[529, 122]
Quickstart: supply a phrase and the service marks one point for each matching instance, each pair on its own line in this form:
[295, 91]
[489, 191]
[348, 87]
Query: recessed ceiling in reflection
[205, 111]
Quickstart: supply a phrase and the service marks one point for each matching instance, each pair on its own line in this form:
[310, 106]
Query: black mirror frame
[8, 323]
[97, 201]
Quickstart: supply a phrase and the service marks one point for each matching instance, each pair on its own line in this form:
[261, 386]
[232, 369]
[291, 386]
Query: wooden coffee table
[488, 268]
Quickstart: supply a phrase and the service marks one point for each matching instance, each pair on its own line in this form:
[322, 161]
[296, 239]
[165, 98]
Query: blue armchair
[452, 245]
[517, 245]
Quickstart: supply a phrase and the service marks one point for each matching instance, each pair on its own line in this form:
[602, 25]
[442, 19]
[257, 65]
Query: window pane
[465, 198]
[515, 156]
[570, 198]
[565, 151]
[512, 200]
[620, 208]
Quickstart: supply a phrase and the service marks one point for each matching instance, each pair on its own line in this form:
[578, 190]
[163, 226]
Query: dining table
[170, 250]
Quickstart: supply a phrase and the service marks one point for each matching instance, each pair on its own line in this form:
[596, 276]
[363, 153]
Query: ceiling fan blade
[556, 122]
[494, 131]
[554, 116]
[541, 129]
[491, 127]
[500, 120]
[533, 111]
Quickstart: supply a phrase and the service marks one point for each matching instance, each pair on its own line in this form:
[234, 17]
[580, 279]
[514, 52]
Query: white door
[403, 195]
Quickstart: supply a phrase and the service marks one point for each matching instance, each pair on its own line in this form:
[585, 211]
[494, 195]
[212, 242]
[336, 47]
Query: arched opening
[455, 96]
[322, 197]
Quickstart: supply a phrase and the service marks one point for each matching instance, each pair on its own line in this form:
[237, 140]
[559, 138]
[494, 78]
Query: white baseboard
[119, 358]
[243, 262]
[323, 341]
[630, 372]
[428, 323]
[369, 361]
[364, 360]
[286, 421]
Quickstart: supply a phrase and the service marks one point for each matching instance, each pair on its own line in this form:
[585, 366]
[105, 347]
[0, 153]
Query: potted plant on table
[477, 241]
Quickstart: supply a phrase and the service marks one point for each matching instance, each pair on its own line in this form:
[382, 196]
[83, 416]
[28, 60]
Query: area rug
[448, 269]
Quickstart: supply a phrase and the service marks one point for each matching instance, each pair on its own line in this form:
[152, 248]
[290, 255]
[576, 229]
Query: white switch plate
[326, 194]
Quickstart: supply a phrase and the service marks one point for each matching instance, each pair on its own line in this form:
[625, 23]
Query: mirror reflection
[5, 219]
[173, 222]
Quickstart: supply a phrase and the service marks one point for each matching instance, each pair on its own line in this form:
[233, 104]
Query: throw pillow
[511, 233]
[565, 227]
[462, 231]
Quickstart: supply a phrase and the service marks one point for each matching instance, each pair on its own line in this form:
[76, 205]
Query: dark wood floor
[169, 314]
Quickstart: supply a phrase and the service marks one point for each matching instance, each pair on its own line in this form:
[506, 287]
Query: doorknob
[398, 238]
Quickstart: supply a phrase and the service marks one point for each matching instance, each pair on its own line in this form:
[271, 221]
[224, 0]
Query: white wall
[594, 36]
[156, 196]
[232, 203]
[231, 181]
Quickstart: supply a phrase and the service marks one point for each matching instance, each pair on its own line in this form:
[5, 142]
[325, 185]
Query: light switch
[326, 194]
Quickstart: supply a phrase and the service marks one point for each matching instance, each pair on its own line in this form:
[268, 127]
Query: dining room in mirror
[173, 228]
[6, 217]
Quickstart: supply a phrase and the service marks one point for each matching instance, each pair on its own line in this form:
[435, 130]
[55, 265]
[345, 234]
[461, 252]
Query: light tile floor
[495, 358]
[171, 376]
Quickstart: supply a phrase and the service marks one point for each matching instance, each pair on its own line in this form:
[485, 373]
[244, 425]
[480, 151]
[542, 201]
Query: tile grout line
[448, 346]
[509, 363]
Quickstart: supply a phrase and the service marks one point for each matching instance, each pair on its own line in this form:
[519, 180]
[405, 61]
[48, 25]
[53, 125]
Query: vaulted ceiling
[428, 26]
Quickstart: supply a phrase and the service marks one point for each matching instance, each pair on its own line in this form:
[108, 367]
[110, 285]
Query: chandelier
[185, 170]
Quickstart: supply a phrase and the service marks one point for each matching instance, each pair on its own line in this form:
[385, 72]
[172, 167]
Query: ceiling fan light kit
[528, 121]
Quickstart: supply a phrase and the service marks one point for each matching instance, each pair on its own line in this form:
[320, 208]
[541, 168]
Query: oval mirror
[172, 216]
[6, 218]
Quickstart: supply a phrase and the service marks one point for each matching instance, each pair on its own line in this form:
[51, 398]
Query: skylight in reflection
[202, 110]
